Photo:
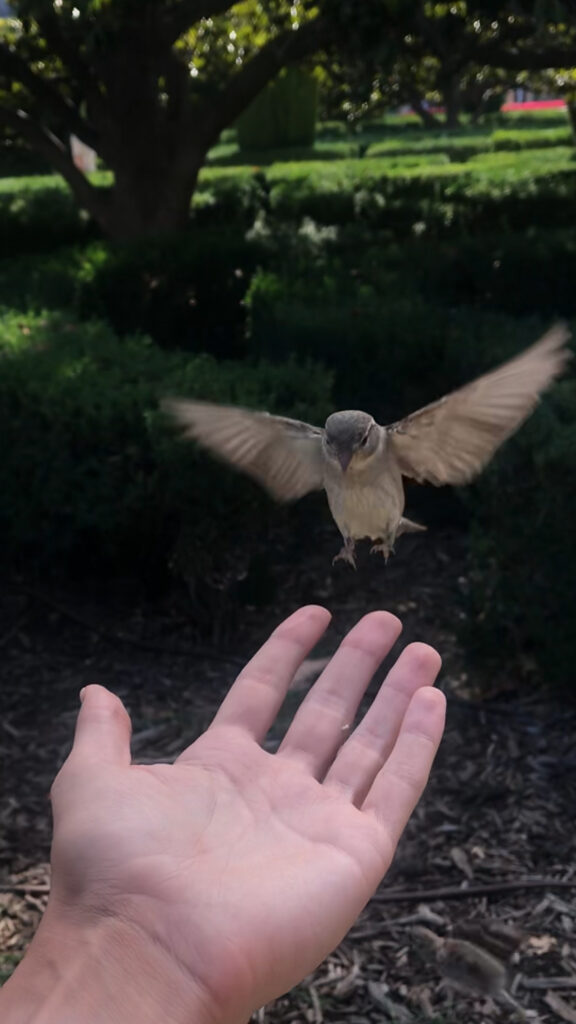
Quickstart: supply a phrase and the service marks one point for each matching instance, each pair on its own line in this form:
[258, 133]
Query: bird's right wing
[451, 440]
[283, 455]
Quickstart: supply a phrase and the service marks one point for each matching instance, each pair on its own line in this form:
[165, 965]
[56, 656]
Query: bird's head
[350, 437]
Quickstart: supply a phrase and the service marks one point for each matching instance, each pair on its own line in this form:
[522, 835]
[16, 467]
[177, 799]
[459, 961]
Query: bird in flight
[359, 463]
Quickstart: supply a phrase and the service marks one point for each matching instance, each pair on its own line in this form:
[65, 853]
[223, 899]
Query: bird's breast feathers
[366, 502]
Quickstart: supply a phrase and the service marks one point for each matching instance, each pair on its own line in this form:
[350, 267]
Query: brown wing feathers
[450, 441]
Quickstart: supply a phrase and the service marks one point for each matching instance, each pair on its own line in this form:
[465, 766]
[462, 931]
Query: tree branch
[54, 150]
[245, 84]
[50, 28]
[16, 68]
[519, 59]
[189, 12]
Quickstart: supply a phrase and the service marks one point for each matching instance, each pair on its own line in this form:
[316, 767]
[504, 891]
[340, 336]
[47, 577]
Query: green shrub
[459, 147]
[537, 138]
[439, 200]
[530, 272]
[283, 114]
[524, 548]
[466, 144]
[232, 156]
[186, 292]
[91, 469]
[18, 160]
[38, 214]
[500, 192]
[332, 130]
[390, 351]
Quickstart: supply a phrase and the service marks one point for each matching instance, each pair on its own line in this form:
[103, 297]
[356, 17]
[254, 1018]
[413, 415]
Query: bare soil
[495, 831]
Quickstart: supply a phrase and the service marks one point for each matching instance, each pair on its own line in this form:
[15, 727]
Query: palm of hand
[249, 867]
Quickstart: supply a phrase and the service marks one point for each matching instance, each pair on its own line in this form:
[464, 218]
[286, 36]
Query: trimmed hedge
[390, 352]
[500, 191]
[283, 114]
[90, 469]
[463, 146]
[523, 551]
[186, 293]
[199, 293]
[403, 281]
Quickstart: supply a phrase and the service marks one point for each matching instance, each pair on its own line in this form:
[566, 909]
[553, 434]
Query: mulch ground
[492, 843]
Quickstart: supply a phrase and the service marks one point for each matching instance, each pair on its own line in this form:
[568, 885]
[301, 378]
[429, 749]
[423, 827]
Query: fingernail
[82, 694]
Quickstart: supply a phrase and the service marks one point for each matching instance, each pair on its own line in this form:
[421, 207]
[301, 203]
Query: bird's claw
[346, 554]
[384, 548]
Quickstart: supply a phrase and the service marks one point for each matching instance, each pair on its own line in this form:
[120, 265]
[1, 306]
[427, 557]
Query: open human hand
[244, 868]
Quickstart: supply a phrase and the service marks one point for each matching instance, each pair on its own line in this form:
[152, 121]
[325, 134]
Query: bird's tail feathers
[407, 526]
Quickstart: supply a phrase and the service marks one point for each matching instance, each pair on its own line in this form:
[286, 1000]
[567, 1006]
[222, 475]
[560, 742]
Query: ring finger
[322, 719]
[362, 756]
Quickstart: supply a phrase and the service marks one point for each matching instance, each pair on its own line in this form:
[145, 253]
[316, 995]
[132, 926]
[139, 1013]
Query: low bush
[499, 192]
[18, 160]
[282, 114]
[389, 349]
[462, 146]
[529, 272]
[91, 473]
[394, 354]
[439, 200]
[523, 554]
[38, 214]
[186, 292]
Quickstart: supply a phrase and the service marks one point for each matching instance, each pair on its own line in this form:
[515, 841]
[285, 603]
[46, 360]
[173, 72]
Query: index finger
[255, 698]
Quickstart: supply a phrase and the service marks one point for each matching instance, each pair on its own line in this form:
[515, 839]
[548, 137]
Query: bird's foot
[346, 554]
[385, 548]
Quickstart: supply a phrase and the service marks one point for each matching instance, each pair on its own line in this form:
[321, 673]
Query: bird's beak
[344, 460]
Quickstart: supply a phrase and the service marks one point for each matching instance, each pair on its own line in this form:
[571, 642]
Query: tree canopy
[148, 84]
[151, 84]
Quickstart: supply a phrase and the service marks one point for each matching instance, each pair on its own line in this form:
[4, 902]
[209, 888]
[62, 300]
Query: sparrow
[361, 464]
[497, 937]
[465, 966]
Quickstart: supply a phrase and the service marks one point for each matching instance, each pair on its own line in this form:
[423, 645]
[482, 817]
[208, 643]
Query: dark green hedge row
[463, 146]
[91, 472]
[393, 355]
[337, 141]
[501, 191]
[90, 468]
[186, 293]
[283, 114]
[284, 287]
[524, 548]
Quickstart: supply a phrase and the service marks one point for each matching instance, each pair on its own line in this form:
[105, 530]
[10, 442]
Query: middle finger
[324, 717]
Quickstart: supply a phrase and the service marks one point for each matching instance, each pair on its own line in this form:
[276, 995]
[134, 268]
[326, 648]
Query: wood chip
[561, 1007]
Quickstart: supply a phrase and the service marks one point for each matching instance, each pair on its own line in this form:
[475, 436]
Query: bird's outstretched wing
[283, 455]
[451, 440]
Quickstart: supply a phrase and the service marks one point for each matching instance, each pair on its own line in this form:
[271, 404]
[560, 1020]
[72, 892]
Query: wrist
[102, 972]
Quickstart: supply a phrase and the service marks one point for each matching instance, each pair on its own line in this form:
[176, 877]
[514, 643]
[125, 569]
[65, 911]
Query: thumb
[103, 728]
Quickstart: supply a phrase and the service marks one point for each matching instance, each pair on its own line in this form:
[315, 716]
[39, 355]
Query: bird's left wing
[450, 441]
[283, 455]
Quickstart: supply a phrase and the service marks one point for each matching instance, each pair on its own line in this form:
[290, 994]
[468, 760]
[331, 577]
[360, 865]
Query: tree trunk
[140, 112]
[425, 115]
[571, 109]
[450, 89]
[148, 204]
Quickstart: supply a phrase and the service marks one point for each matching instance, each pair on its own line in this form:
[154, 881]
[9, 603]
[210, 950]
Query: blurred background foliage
[339, 254]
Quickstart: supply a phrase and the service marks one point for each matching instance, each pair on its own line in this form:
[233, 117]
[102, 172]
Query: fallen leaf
[395, 1011]
[460, 859]
[538, 945]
